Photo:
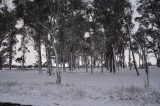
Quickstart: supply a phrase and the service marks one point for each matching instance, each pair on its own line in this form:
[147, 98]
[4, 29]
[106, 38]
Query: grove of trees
[81, 33]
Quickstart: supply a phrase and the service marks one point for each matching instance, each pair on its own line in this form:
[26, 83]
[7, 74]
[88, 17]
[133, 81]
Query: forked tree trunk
[134, 60]
[130, 44]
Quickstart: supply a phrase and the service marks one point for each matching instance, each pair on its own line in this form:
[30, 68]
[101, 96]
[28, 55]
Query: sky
[31, 56]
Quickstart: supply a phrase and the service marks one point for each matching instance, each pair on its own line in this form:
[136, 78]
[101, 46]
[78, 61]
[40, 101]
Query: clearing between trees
[79, 88]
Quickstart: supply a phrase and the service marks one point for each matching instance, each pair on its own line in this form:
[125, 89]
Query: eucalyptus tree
[2, 38]
[149, 18]
[128, 27]
[46, 15]
[110, 14]
[141, 38]
[71, 30]
[154, 44]
[74, 33]
[149, 12]
[8, 30]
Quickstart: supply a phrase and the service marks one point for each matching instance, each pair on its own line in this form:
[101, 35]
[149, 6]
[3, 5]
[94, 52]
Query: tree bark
[130, 60]
[158, 62]
[139, 54]
[71, 61]
[123, 59]
[146, 66]
[23, 52]
[134, 61]
[102, 63]
[64, 68]
[114, 60]
[91, 63]
[39, 55]
[86, 62]
[11, 48]
[49, 63]
[10, 56]
[1, 66]
[111, 63]
[58, 81]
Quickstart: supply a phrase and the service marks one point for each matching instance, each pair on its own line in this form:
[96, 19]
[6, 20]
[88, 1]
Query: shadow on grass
[11, 104]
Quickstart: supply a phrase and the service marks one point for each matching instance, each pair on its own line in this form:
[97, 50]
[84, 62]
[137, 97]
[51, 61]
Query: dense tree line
[95, 33]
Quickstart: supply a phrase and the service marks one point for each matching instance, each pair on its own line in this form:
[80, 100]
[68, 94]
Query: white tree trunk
[58, 81]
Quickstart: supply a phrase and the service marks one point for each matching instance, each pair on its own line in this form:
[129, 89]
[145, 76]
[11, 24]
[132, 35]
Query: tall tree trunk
[86, 62]
[102, 63]
[58, 81]
[107, 59]
[129, 63]
[114, 60]
[94, 62]
[123, 59]
[71, 61]
[130, 44]
[78, 65]
[11, 48]
[91, 63]
[1, 66]
[142, 61]
[134, 60]
[111, 63]
[10, 56]
[39, 56]
[64, 67]
[49, 63]
[158, 55]
[146, 66]
[23, 59]
[120, 61]
[23, 52]
[63, 58]
[139, 54]
[158, 62]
